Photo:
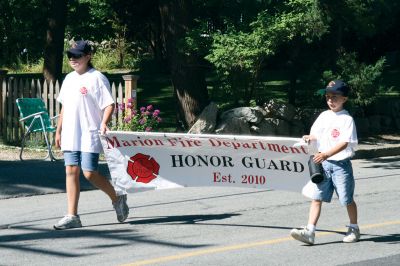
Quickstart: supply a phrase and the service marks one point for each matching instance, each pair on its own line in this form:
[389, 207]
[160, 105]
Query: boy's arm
[108, 111]
[309, 138]
[59, 128]
[322, 156]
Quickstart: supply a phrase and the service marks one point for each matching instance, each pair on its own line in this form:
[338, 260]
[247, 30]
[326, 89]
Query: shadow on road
[390, 239]
[384, 163]
[34, 177]
[185, 219]
[113, 237]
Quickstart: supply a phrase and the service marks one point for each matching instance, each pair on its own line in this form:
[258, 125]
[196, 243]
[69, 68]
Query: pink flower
[144, 119]
[156, 113]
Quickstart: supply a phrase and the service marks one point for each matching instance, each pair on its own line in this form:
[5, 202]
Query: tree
[239, 55]
[53, 51]
[363, 79]
[304, 23]
[187, 76]
[143, 25]
[22, 27]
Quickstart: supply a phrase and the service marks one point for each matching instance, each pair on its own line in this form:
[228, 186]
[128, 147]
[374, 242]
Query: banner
[140, 160]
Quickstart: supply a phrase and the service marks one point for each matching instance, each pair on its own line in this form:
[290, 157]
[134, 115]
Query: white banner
[166, 160]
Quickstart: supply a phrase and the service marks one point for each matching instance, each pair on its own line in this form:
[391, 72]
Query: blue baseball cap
[80, 48]
[336, 87]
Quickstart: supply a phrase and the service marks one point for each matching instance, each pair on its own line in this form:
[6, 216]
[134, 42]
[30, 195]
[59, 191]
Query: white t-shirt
[330, 128]
[84, 98]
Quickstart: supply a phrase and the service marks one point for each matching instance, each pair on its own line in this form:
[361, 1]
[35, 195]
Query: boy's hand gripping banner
[140, 160]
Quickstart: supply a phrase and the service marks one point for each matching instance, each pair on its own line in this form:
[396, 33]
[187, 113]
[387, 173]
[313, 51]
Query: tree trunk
[53, 52]
[294, 70]
[157, 41]
[188, 77]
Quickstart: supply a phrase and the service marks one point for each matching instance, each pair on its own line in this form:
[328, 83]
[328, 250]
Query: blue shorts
[339, 178]
[87, 160]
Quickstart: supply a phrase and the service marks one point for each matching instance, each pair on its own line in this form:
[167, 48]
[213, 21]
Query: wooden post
[130, 90]
[3, 74]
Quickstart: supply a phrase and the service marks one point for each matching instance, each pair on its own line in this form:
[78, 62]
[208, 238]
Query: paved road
[205, 226]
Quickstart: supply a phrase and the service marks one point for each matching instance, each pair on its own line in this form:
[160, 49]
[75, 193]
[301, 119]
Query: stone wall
[277, 119]
[382, 117]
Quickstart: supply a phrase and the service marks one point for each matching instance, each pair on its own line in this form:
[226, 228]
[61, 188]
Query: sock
[311, 227]
[355, 226]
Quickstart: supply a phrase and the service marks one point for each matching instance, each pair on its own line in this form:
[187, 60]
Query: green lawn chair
[34, 115]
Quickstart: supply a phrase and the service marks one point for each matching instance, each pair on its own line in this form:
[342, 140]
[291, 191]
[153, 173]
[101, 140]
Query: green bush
[363, 79]
[108, 56]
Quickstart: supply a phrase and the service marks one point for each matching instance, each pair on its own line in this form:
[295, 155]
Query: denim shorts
[339, 178]
[87, 160]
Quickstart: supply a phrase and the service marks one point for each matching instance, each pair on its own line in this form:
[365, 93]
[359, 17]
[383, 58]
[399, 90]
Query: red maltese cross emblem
[142, 168]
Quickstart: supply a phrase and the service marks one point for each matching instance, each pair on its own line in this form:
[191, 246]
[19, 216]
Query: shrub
[129, 119]
[363, 79]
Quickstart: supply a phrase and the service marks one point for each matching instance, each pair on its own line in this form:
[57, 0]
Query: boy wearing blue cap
[87, 106]
[335, 136]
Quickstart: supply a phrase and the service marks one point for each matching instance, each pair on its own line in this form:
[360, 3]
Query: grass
[158, 91]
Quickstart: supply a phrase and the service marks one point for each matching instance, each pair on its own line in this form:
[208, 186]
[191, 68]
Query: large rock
[282, 127]
[266, 127]
[249, 114]
[273, 126]
[207, 120]
[285, 120]
[284, 111]
[233, 125]
[308, 116]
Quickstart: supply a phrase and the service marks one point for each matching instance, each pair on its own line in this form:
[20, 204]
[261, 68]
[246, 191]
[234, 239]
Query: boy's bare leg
[307, 234]
[101, 183]
[73, 188]
[352, 212]
[315, 211]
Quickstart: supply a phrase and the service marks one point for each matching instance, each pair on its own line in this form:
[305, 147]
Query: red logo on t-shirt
[335, 133]
[83, 90]
[142, 168]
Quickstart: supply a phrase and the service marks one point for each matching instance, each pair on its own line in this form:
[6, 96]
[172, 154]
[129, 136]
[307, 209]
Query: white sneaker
[67, 222]
[303, 235]
[121, 208]
[352, 235]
